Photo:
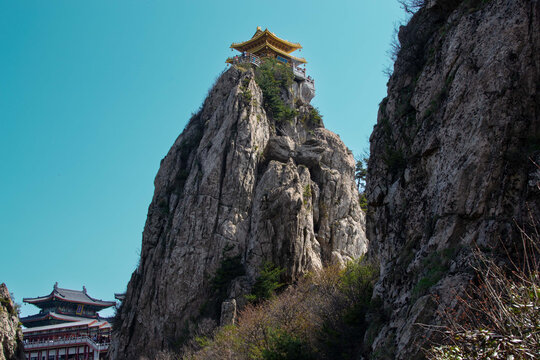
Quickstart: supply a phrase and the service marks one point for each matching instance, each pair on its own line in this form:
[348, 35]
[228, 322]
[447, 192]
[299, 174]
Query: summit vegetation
[272, 77]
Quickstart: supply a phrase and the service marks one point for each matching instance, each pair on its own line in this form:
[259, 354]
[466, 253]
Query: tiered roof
[50, 316]
[267, 40]
[64, 305]
[69, 296]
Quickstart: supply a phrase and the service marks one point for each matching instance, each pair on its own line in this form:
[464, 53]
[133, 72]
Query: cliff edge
[11, 347]
[452, 158]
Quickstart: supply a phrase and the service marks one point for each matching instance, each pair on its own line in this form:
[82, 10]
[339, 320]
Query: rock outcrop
[11, 347]
[238, 188]
[452, 154]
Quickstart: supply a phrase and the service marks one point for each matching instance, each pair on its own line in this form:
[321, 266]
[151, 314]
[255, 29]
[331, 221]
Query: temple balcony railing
[81, 340]
[245, 58]
[298, 72]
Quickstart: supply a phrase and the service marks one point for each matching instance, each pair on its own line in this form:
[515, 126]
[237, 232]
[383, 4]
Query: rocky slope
[238, 188]
[10, 330]
[451, 157]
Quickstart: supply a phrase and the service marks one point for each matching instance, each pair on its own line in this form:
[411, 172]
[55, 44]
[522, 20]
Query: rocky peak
[254, 178]
[452, 156]
[11, 347]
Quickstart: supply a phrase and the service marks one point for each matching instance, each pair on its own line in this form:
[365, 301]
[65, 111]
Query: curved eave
[38, 300]
[103, 304]
[64, 317]
[104, 325]
[242, 45]
[35, 318]
[93, 303]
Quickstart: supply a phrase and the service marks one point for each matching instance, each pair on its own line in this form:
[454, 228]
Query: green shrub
[12, 307]
[306, 195]
[361, 171]
[229, 269]
[315, 116]
[357, 284]
[245, 92]
[363, 201]
[8, 305]
[435, 266]
[285, 346]
[266, 284]
[322, 316]
[202, 341]
[340, 335]
[273, 77]
[312, 117]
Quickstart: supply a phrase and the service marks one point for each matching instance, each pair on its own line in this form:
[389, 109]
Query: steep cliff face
[237, 189]
[10, 331]
[451, 156]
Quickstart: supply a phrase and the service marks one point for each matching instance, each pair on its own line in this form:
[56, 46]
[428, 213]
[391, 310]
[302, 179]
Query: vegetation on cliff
[323, 316]
[275, 80]
[272, 77]
[360, 174]
[499, 315]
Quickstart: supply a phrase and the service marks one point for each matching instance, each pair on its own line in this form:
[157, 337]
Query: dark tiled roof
[49, 315]
[74, 296]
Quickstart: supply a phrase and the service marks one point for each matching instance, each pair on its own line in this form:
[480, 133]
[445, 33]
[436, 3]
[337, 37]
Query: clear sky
[94, 93]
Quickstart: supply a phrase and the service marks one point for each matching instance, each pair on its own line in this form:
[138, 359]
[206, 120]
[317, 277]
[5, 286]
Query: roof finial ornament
[84, 289]
[55, 285]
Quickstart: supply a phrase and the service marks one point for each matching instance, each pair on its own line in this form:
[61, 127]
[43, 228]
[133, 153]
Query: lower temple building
[68, 327]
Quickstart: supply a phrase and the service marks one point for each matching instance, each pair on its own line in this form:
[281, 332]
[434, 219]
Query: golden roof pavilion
[267, 44]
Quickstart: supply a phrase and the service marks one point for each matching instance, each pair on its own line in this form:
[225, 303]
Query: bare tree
[412, 6]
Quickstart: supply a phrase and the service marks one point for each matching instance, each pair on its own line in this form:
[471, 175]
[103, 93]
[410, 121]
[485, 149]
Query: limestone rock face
[452, 156]
[236, 190]
[304, 91]
[11, 347]
[228, 312]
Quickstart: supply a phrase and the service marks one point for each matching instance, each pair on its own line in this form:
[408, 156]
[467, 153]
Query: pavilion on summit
[265, 44]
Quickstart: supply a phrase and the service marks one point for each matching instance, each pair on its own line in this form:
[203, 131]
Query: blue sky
[93, 94]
